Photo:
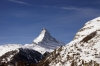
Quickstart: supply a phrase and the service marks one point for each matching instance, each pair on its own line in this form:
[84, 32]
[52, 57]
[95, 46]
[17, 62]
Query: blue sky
[21, 21]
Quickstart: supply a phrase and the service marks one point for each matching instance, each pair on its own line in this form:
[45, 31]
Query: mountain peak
[46, 40]
[44, 29]
[44, 32]
[42, 35]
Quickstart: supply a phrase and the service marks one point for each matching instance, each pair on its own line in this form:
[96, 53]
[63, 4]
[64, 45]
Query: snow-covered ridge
[87, 39]
[84, 50]
[8, 47]
[89, 27]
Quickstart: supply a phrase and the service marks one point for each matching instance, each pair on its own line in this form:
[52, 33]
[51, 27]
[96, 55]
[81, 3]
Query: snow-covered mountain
[21, 57]
[12, 54]
[45, 42]
[83, 50]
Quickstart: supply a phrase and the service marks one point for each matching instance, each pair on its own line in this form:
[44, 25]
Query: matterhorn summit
[45, 40]
[44, 36]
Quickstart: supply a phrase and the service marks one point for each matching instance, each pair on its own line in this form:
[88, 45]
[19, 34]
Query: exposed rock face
[88, 37]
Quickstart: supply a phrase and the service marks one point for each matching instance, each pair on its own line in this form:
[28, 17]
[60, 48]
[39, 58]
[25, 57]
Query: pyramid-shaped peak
[46, 40]
[43, 35]
[44, 30]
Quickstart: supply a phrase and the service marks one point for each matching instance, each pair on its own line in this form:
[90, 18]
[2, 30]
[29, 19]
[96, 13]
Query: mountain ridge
[83, 50]
[21, 57]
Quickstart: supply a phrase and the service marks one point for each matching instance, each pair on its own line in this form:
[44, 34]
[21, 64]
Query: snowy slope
[8, 47]
[21, 57]
[37, 48]
[83, 50]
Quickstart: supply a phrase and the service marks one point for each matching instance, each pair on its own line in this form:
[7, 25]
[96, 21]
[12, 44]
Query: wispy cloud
[65, 8]
[70, 8]
[20, 2]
